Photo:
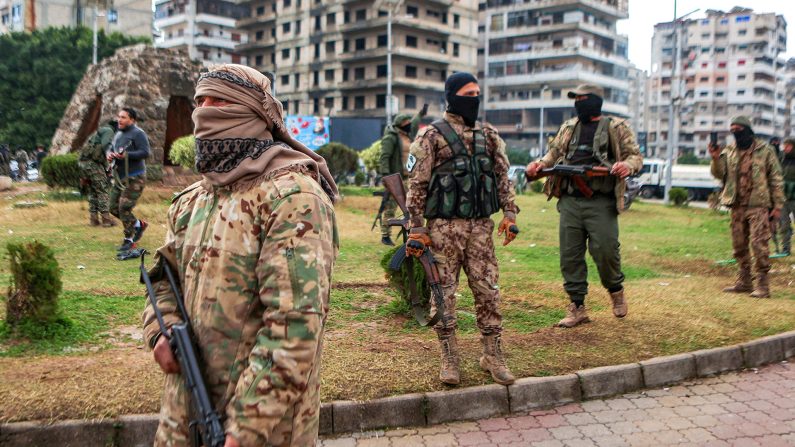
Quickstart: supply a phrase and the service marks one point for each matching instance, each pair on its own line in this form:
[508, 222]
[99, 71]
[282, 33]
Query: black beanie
[455, 82]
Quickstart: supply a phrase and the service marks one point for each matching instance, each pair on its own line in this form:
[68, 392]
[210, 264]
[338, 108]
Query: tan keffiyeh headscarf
[247, 139]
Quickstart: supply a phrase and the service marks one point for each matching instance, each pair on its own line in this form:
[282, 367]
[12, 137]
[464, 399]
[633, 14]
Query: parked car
[516, 174]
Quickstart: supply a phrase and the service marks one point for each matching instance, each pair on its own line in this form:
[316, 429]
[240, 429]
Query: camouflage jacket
[768, 184]
[623, 147]
[255, 263]
[430, 150]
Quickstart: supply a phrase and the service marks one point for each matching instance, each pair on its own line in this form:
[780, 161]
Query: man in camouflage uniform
[22, 164]
[787, 159]
[130, 150]
[93, 165]
[253, 244]
[5, 160]
[754, 190]
[458, 179]
[595, 140]
[394, 152]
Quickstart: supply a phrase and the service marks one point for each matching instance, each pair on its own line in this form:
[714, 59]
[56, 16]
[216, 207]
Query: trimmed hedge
[183, 152]
[35, 283]
[61, 171]
[341, 159]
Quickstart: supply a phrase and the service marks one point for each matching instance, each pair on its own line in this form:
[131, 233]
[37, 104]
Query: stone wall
[140, 76]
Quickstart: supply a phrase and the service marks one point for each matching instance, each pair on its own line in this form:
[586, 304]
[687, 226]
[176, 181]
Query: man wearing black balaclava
[754, 190]
[589, 207]
[458, 178]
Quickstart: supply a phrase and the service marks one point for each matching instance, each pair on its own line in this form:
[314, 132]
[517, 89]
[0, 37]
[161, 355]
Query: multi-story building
[330, 57]
[789, 76]
[638, 104]
[728, 65]
[537, 51]
[131, 17]
[204, 29]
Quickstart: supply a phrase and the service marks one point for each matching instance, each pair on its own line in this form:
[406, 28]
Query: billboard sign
[312, 131]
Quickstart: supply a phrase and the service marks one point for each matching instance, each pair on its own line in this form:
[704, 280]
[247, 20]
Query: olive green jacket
[768, 183]
[391, 160]
[623, 147]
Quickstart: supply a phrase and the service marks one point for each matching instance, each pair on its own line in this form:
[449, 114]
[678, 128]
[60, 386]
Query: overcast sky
[644, 14]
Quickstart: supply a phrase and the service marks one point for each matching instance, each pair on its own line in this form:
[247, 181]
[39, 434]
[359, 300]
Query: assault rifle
[394, 186]
[206, 429]
[384, 200]
[577, 173]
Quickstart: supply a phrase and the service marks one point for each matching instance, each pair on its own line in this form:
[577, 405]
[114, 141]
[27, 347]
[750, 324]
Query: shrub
[371, 156]
[35, 284]
[154, 173]
[518, 156]
[183, 152]
[61, 171]
[359, 178]
[341, 159]
[678, 196]
[537, 186]
[399, 280]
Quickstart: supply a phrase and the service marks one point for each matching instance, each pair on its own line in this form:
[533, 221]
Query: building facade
[131, 17]
[204, 29]
[537, 51]
[638, 105]
[728, 65]
[330, 58]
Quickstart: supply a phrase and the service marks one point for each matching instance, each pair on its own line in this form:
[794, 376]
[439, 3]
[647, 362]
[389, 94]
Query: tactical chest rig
[594, 155]
[465, 185]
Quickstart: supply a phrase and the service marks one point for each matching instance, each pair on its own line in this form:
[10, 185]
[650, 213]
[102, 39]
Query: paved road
[750, 408]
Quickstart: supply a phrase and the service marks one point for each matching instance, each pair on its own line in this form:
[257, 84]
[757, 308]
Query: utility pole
[391, 6]
[541, 124]
[94, 55]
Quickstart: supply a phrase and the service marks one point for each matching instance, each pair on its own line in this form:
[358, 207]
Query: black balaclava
[588, 108]
[465, 106]
[405, 128]
[744, 138]
[776, 143]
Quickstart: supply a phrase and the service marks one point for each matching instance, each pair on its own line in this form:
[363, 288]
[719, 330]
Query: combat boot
[448, 372]
[493, 361]
[93, 220]
[574, 316]
[619, 304]
[108, 221]
[762, 289]
[743, 283]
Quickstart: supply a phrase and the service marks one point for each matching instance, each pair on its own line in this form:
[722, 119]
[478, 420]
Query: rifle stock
[394, 185]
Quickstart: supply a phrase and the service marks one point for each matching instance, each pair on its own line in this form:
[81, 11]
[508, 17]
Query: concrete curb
[443, 406]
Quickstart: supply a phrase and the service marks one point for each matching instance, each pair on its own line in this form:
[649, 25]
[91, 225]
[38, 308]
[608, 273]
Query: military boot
[574, 316]
[493, 361]
[108, 221]
[762, 289]
[619, 304]
[93, 220]
[743, 283]
[448, 372]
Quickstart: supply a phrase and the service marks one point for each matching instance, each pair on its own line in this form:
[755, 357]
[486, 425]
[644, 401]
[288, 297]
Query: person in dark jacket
[130, 150]
[394, 152]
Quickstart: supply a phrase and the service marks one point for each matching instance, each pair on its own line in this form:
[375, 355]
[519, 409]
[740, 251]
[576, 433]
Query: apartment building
[537, 51]
[728, 65]
[204, 29]
[330, 57]
[131, 17]
[638, 104]
[789, 76]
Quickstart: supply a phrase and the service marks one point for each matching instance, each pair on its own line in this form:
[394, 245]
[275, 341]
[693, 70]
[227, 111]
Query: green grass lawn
[673, 287]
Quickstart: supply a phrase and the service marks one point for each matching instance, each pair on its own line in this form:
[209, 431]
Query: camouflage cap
[742, 120]
[400, 118]
[789, 141]
[587, 89]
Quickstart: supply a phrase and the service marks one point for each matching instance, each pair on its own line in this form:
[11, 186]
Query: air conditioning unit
[519, 126]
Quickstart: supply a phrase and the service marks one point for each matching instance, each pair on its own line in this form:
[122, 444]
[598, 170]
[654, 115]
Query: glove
[84, 182]
[507, 226]
[416, 244]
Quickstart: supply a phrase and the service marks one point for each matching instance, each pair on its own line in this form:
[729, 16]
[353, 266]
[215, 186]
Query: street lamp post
[541, 124]
[391, 6]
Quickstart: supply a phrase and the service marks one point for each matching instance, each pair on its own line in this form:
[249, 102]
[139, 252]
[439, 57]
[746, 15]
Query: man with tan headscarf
[253, 243]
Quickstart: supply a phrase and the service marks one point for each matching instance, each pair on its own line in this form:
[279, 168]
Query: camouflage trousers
[751, 226]
[297, 428]
[98, 186]
[389, 213]
[785, 226]
[123, 198]
[467, 243]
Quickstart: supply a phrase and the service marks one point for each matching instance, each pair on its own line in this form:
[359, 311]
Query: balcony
[620, 9]
[215, 42]
[170, 21]
[550, 52]
[254, 22]
[573, 73]
[256, 45]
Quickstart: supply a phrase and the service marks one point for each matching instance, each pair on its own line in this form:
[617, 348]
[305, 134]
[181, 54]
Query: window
[331, 19]
[411, 41]
[258, 35]
[285, 79]
[317, 51]
[260, 10]
[331, 47]
[358, 102]
[286, 27]
[704, 65]
[346, 17]
[316, 105]
[456, 21]
[361, 15]
[286, 53]
[411, 71]
[741, 62]
[345, 46]
[740, 77]
[329, 76]
[297, 53]
[381, 71]
[742, 32]
[344, 75]
[287, 3]
[455, 49]
[360, 44]
[380, 101]
[297, 80]
[344, 103]
[382, 40]
[411, 102]
[740, 92]
[315, 77]
[721, 64]
[358, 73]
[258, 60]
[412, 11]
[703, 79]
[297, 27]
[720, 79]
[317, 23]
[328, 103]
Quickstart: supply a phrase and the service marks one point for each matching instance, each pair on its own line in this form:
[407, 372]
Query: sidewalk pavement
[748, 408]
